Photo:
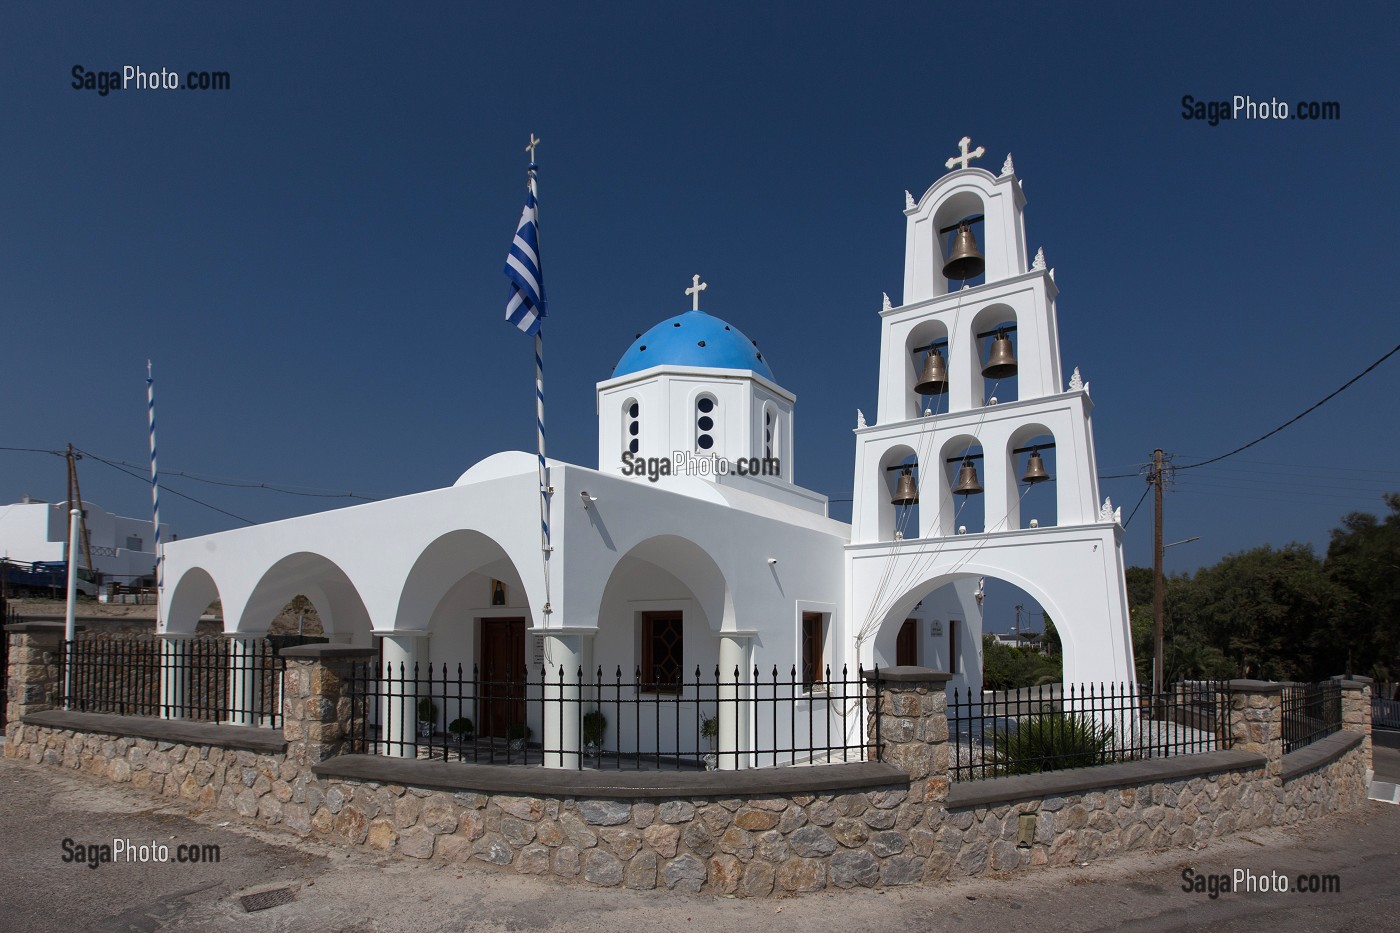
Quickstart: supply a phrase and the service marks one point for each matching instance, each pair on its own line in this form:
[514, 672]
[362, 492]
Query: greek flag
[526, 308]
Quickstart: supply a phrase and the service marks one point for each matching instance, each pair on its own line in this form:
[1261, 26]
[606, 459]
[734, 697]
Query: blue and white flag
[526, 308]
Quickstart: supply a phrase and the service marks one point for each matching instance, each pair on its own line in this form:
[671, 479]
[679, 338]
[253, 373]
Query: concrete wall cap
[318, 652]
[907, 674]
[1257, 686]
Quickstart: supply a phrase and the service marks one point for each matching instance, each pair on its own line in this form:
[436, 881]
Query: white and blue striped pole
[155, 488]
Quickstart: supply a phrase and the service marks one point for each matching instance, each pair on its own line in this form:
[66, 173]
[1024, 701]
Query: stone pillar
[243, 678]
[1356, 710]
[565, 653]
[321, 715]
[907, 715]
[1256, 720]
[174, 675]
[35, 674]
[733, 709]
[398, 707]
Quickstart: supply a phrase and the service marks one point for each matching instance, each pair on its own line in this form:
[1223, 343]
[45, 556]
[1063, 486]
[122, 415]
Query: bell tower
[973, 413]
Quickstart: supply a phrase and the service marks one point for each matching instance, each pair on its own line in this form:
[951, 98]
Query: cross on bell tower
[696, 287]
[965, 157]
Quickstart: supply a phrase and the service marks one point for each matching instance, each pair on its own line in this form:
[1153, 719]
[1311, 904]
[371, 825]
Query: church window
[663, 639]
[813, 650]
[632, 424]
[705, 415]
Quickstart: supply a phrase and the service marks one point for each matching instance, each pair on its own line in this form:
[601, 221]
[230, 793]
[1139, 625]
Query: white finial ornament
[908, 200]
[696, 287]
[1039, 261]
[1007, 168]
[964, 157]
[531, 148]
[1106, 514]
[860, 418]
[886, 297]
[1076, 381]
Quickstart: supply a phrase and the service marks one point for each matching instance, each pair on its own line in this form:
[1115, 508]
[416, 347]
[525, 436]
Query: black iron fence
[1385, 705]
[593, 720]
[1310, 712]
[206, 679]
[1050, 728]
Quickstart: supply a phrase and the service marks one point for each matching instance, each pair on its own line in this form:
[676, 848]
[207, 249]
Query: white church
[722, 561]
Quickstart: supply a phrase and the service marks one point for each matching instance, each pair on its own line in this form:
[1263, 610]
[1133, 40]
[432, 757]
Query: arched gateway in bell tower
[973, 403]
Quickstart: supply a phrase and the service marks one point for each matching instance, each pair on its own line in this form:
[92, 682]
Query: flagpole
[155, 489]
[546, 546]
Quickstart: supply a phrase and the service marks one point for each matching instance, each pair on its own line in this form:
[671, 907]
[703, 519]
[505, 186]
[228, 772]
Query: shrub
[1049, 741]
[427, 710]
[461, 727]
[518, 731]
[595, 726]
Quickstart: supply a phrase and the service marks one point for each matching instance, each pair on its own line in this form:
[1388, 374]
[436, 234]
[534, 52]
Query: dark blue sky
[313, 258]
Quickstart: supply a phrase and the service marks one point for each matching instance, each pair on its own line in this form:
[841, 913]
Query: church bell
[964, 259]
[1001, 362]
[968, 484]
[1035, 470]
[934, 379]
[906, 493]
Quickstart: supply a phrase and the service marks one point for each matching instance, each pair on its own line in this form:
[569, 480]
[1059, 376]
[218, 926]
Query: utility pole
[1158, 661]
[75, 501]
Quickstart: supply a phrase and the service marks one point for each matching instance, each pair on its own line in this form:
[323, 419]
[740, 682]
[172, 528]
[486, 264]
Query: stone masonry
[909, 831]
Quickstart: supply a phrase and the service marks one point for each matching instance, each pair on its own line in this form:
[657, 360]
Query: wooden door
[906, 646]
[502, 686]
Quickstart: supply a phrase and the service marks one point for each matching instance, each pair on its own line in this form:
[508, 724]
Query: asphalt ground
[340, 890]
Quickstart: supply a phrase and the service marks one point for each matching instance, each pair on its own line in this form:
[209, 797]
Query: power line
[174, 492]
[1348, 384]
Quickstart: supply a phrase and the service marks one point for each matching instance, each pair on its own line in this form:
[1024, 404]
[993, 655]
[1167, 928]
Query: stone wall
[915, 828]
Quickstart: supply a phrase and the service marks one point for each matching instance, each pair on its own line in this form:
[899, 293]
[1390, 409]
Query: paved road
[356, 892]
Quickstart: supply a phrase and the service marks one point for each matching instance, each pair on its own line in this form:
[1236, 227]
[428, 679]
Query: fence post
[317, 708]
[1256, 720]
[34, 676]
[909, 712]
[1356, 709]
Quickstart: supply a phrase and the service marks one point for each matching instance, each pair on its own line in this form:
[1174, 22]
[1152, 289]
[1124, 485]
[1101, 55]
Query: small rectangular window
[952, 646]
[663, 661]
[813, 650]
[133, 543]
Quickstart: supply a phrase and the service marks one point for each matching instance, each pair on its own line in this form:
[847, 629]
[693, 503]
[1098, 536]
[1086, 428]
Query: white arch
[190, 596]
[319, 579]
[442, 565]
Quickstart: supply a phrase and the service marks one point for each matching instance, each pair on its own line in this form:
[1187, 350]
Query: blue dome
[693, 339]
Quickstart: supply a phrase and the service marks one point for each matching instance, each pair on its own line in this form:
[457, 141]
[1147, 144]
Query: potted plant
[427, 716]
[462, 728]
[595, 727]
[518, 734]
[709, 731]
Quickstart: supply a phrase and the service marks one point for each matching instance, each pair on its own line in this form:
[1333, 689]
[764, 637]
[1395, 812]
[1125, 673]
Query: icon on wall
[498, 593]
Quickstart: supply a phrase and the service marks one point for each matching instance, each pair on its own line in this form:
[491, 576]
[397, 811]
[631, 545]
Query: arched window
[706, 422]
[772, 433]
[632, 425]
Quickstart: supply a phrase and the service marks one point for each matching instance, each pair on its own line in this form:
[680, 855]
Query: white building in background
[122, 548]
[663, 561]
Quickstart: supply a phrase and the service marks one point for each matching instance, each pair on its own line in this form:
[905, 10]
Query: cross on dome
[696, 287]
[965, 156]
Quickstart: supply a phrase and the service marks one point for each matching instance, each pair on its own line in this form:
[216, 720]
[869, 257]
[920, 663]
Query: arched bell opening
[899, 495]
[927, 370]
[960, 222]
[963, 499]
[994, 362]
[1031, 477]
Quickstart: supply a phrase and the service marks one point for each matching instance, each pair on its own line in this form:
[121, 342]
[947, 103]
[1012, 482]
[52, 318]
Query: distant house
[123, 549]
